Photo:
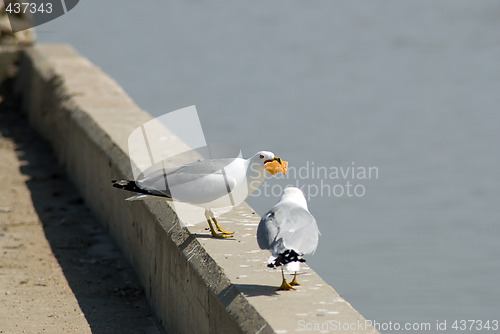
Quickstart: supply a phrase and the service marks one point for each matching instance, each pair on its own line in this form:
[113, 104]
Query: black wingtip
[131, 186]
[126, 185]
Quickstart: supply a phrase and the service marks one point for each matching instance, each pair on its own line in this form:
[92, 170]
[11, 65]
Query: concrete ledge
[196, 284]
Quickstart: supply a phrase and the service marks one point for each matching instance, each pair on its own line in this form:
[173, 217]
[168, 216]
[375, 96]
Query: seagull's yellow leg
[209, 216]
[219, 228]
[215, 234]
[284, 285]
[294, 281]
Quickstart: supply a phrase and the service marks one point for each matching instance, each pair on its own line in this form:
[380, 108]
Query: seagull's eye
[261, 156]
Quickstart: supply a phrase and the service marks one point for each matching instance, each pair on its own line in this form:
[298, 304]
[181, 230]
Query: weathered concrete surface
[60, 272]
[195, 283]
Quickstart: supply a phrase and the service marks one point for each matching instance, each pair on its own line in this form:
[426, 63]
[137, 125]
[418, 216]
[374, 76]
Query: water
[411, 88]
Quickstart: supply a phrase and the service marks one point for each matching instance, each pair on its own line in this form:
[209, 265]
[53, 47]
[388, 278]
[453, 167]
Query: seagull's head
[295, 195]
[268, 161]
[263, 157]
[292, 191]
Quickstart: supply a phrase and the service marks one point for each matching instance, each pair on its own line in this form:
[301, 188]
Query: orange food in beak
[274, 167]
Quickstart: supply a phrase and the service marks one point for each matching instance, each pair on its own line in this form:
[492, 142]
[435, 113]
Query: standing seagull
[289, 231]
[213, 183]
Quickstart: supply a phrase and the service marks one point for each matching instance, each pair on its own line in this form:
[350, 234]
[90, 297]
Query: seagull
[210, 184]
[288, 231]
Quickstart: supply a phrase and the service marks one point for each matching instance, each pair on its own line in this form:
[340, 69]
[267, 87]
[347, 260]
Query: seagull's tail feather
[286, 257]
[132, 186]
[138, 197]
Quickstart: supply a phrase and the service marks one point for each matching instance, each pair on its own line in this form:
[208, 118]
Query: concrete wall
[195, 283]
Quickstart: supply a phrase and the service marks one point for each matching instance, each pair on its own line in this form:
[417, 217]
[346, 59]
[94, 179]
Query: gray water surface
[409, 87]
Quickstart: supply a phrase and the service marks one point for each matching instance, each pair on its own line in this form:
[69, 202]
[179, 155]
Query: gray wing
[161, 179]
[288, 226]
[154, 180]
[299, 231]
[267, 230]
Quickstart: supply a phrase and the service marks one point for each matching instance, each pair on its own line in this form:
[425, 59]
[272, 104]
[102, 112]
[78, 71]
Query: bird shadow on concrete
[209, 236]
[234, 292]
[254, 290]
[103, 282]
